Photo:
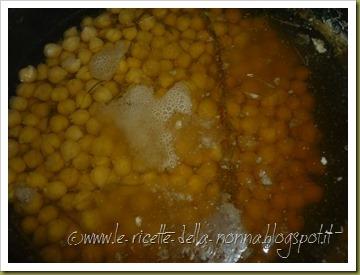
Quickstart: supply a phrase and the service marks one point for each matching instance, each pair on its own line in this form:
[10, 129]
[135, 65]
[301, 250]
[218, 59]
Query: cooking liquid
[240, 153]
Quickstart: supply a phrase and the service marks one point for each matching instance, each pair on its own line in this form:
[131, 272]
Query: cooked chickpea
[28, 74]
[52, 50]
[73, 133]
[56, 229]
[88, 33]
[18, 103]
[14, 118]
[28, 134]
[54, 162]
[55, 190]
[33, 159]
[56, 74]
[58, 123]
[66, 107]
[99, 175]
[102, 94]
[47, 214]
[69, 149]
[29, 224]
[71, 43]
[80, 117]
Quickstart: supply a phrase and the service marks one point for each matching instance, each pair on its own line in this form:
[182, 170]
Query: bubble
[103, 64]
[142, 118]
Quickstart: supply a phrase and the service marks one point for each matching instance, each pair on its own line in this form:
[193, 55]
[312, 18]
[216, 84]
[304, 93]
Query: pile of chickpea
[72, 170]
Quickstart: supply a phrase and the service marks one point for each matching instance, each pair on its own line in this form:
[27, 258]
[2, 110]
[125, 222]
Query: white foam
[143, 119]
[103, 65]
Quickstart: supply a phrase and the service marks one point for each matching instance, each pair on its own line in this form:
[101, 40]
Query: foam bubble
[103, 64]
[143, 119]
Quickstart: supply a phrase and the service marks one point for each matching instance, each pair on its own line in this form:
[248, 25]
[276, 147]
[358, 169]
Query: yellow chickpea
[113, 35]
[102, 94]
[42, 71]
[59, 94]
[87, 33]
[147, 22]
[71, 64]
[43, 91]
[25, 90]
[207, 109]
[95, 44]
[66, 106]
[102, 21]
[130, 33]
[36, 180]
[56, 74]
[58, 123]
[166, 80]
[17, 164]
[83, 100]
[90, 220]
[30, 119]
[18, 103]
[81, 161]
[171, 51]
[33, 205]
[49, 143]
[74, 86]
[29, 224]
[28, 74]
[56, 230]
[102, 146]
[99, 175]
[196, 49]
[13, 148]
[151, 67]
[93, 126]
[69, 149]
[208, 171]
[84, 56]
[80, 117]
[122, 166]
[33, 159]
[28, 134]
[71, 43]
[52, 50]
[54, 162]
[40, 109]
[196, 184]
[14, 118]
[86, 142]
[73, 133]
[183, 23]
[55, 190]
[47, 214]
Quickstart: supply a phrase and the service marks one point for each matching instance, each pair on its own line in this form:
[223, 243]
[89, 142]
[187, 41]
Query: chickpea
[28, 74]
[36, 180]
[196, 49]
[29, 224]
[58, 123]
[56, 229]
[33, 159]
[122, 166]
[207, 109]
[28, 134]
[56, 74]
[84, 56]
[80, 117]
[33, 205]
[52, 50]
[73, 133]
[102, 94]
[130, 33]
[17, 164]
[71, 43]
[102, 146]
[59, 94]
[71, 64]
[30, 119]
[55, 190]
[81, 161]
[95, 44]
[14, 118]
[47, 214]
[66, 107]
[69, 149]
[18, 103]
[88, 33]
[147, 22]
[54, 162]
[99, 175]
